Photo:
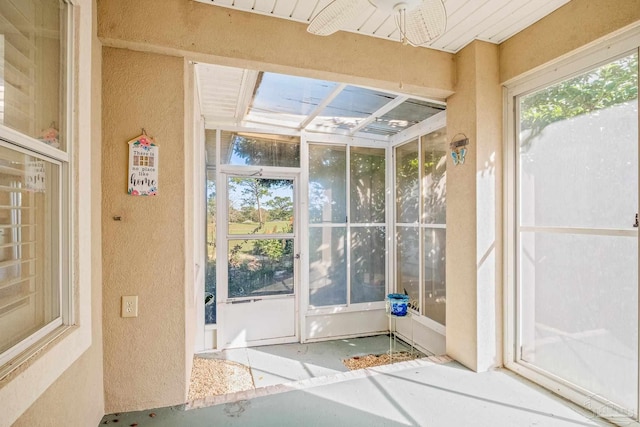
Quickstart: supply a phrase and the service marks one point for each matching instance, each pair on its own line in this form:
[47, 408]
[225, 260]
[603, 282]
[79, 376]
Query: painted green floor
[307, 386]
[277, 364]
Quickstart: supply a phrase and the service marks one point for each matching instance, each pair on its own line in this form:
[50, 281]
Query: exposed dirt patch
[371, 360]
[213, 377]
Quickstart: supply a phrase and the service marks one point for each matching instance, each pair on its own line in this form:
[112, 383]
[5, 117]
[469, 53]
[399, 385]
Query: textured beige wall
[142, 358]
[571, 27]
[144, 253]
[77, 398]
[137, 87]
[461, 216]
[473, 211]
[474, 193]
[488, 259]
[228, 37]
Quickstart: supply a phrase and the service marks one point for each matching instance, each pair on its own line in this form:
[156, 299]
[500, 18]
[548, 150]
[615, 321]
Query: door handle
[244, 301]
[636, 223]
[297, 256]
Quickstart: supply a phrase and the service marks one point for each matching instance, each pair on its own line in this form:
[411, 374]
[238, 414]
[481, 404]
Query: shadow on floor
[424, 392]
[283, 363]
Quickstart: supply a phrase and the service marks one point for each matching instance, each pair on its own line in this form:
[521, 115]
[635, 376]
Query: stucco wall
[76, 398]
[571, 27]
[144, 357]
[474, 202]
[474, 195]
[144, 252]
[461, 224]
[488, 166]
[228, 37]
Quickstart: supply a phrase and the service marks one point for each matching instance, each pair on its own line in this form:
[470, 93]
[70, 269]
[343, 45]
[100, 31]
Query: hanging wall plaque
[143, 166]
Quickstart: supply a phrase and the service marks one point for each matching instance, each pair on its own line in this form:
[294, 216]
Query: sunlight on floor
[237, 370]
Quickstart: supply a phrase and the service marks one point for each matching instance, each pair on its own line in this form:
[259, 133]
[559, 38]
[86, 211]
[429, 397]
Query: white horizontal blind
[35, 67]
[29, 246]
[17, 70]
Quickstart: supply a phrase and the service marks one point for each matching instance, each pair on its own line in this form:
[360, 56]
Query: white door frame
[595, 55]
[223, 303]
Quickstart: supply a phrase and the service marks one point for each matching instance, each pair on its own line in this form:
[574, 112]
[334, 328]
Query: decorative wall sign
[143, 166]
[35, 176]
[458, 150]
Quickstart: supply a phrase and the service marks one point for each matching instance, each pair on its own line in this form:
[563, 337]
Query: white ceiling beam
[269, 122]
[245, 94]
[435, 122]
[326, 101]
[379, 113]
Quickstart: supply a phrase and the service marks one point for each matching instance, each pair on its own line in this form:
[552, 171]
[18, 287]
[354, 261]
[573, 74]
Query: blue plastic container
[398, 304]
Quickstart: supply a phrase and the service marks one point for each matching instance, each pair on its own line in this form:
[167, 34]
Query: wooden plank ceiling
[467, 20]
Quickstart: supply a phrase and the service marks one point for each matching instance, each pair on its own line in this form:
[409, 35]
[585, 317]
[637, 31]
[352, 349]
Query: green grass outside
[246, 228]
[250, 227]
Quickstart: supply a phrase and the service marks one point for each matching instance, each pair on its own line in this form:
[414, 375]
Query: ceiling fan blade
[425, 23]
[335, 16]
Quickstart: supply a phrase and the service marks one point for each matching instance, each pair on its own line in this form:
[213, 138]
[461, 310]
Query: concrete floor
[307, 385]
[277, 364]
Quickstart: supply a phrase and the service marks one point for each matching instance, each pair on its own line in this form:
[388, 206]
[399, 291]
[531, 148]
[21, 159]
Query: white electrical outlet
[130, 306]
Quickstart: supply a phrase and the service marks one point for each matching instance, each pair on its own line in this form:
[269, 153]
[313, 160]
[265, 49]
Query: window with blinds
[31, 80]
[29, 246]
[35, 62]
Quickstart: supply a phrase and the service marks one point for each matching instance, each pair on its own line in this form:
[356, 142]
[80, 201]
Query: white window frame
[433, 124]
[347, 143]
[21, 143]
[43, 363]
[588, 58]
[8, 356]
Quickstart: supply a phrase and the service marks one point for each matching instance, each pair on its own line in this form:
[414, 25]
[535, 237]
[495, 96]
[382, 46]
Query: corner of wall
[144, 253]
[573, 26]
[473, 211]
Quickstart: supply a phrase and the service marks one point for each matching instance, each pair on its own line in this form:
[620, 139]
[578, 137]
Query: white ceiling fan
[418, 21]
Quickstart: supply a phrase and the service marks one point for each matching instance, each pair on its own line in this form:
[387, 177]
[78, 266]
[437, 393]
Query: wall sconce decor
[458, 150]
